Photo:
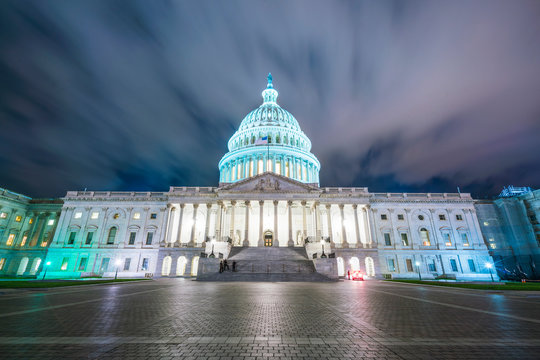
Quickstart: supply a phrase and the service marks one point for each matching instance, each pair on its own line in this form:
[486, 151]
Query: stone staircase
[267, 264]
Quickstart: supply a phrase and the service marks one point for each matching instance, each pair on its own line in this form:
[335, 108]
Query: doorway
[268, 238]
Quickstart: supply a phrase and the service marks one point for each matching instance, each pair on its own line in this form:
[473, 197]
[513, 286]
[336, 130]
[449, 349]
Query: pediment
[269, 182]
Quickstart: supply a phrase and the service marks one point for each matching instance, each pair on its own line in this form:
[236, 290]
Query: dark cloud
[397, 96]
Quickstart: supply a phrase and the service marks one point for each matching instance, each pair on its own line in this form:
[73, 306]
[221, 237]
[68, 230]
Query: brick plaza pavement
[180, 318]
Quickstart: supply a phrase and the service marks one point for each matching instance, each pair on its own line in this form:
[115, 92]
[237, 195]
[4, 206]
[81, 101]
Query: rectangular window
[400, 217]
[149, 238]
[144, 266]
[384, 217]
[464, 239]
[391, 265]
[94, 215]
[10, 239]
[24, 238]
[18, 218]
[137, 216]
[64, 263]
[404, 239]
[493, 246]
[459, 217]
[30, 221]
[472, 267]
[409, 265]
[442, 217]
[89, 238]
[82, 264]
[3, 215]
[132, 236]
[453, 265]
[153, 216]
[2, 263]
[447, 240]
[486, 223]
[104, 265]
[432, 267]
[127, 262]
[77, 215]
[50, 222]
[387, 241]
[71, 239]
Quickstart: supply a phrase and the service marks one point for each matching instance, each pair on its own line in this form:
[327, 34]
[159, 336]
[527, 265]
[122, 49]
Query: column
[344, 243]
[207, 225]
[289, 211]
[357, 227]
[231, 225]
[246, 224]
[168, 225]
[261, 208]
[179, 230]
[304, 222]
[193, 225]
[276, 222]
[318, 234]
[329, 222]
[374, 233]
[274, 163]
[367, 231]
[218, 220]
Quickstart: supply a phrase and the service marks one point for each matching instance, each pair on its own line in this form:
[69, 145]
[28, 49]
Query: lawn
[57, 283]
[481, 286]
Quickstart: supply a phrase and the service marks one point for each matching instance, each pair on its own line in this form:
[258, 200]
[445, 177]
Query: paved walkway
[181, 318]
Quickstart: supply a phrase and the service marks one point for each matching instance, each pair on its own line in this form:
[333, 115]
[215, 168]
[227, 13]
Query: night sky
[397, 96]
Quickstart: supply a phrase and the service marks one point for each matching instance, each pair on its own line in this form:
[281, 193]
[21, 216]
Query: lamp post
[418, 267]
[46, 267]
[489, 266]
[117, 263]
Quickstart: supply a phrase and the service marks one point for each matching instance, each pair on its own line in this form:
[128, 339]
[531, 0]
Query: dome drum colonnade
[286, 149]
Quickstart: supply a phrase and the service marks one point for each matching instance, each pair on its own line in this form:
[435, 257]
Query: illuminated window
[116, 216]
[44, 243]
[153, 216]
[10, 239]
[387, 241]
[424, 235]
[77, 215]
[3, 215]
[89, 238]
[420, 217]
[472, 267]
[493, 246]
[71, 239]
[384, 217]
[442, 217]
[112, 235]
[132, 236]
[30, 221]
[137, 216]
[447, 239]
[18, 218]
[404, 239]
[400, 217]
[391, 265]
[464, 239]
[453, 265]
[23, 241]
[94, 215]
[64, 263]
[486, 223]
[278, 167]
[144, 265]
[459, 217]
[251, 167]
[2, 263]
[50, 222]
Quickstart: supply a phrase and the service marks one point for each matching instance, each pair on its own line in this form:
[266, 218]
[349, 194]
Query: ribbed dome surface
[269, 113]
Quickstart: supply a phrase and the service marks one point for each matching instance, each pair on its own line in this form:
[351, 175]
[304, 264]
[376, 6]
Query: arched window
[194, 266]
[355, 263]
[278, 139]
[166, 267]
[253, 139]
[35, 266]
[112, 235]
[424, 235]
[370, 267]
[181, 266]
[22, 266]
[340, 267]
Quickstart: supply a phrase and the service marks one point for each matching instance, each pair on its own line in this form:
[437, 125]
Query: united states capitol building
[268, 214]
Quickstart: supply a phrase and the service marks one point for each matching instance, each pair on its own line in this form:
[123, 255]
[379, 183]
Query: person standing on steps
[220, 266]
[225, 265]
[234, 266]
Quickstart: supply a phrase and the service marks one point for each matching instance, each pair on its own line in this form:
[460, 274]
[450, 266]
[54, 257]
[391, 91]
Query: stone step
[268, 253]
[273, 266]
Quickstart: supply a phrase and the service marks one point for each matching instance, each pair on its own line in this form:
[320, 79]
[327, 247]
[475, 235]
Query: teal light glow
[269, 139]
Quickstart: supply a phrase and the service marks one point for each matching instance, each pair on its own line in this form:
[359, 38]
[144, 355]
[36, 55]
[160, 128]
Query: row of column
[292, 167]
[173, 239]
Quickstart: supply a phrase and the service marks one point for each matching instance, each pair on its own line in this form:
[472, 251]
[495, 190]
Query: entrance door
[268, 238]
